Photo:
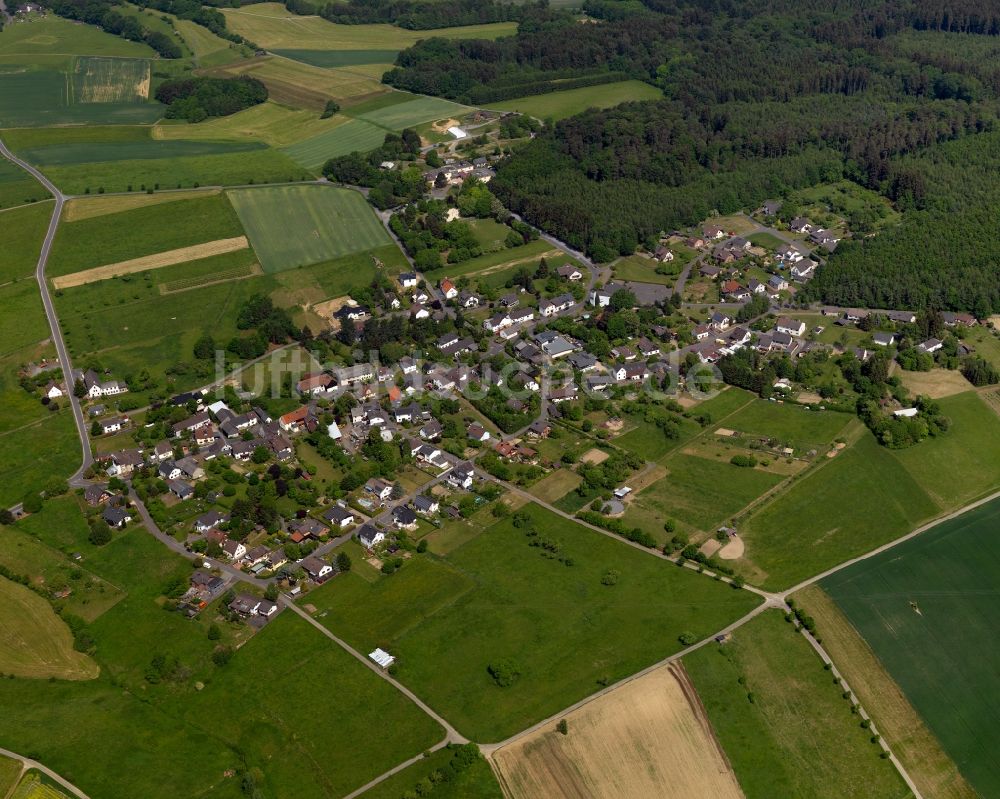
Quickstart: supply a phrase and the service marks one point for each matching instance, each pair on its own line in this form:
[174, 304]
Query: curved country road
[50, 311]
[27, 763]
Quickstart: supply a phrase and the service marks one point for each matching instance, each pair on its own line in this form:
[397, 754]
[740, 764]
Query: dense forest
[196, 99]
[760, 98]
[412, 14]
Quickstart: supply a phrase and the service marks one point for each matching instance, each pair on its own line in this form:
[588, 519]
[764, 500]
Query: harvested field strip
[90, 207]
[236, 273]
[157, 261]
[628, 744]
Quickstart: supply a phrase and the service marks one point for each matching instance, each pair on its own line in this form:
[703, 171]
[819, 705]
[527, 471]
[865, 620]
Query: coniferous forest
[760, 98]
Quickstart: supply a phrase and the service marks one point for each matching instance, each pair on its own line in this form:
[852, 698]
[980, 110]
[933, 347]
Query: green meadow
[353, 135]
[300, 740]
[293, 226]
[17, 187]
[559, 105]
[481, 604]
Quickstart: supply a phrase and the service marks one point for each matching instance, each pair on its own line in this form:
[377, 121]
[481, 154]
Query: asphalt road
[50, 311]
[27, 763]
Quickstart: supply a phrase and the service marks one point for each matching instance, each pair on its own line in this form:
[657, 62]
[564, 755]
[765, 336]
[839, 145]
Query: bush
[504, 672]
[744, 461]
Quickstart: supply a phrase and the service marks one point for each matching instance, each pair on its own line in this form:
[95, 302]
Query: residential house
[96, 494]
[318, 570]
[556, 305]
[801, 225]
[314, 384]
[569, 272]
[425, 504]
[113, 425]
[408, 280]
[462, 476]
[804, 270]
[180, 489]
[663, 254]
[884, 339]
[792, 327]
[209, 520]
[930, 346]
[448, 289]
[477, 432]
[404, 518]
[115, 517]
[720, 320]
[370, 536]
[714, 232]
[191, 424]
[125, 462]
[339, 516]
[234, 550]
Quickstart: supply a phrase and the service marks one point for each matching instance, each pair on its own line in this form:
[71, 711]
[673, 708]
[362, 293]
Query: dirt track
[156, 261]
[650, 739]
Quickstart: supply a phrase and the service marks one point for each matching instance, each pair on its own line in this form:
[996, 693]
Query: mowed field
[928, 609]
[782, 721]
[292, 226]
[559, 105]
[481, 604]
[648, 739]
[34, 641]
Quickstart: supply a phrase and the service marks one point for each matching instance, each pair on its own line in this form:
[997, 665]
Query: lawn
[487, 608]
[293, 226]
[556, 485]
[928, 608]
[529, 253]
[766, 240]
[476, 782]
[795, 426]
[347, 137]
[843, 508]
[644, 270]
[102, 240]
[559, 105]
[700, 493]
[647, 440]
[34, 641]
[782, 722]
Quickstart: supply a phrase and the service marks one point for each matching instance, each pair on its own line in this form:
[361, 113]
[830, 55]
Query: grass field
[331, 59]
[843, 508]
[97, 241]
[556, 485]
[36, 643]
[24, 229]
[413, 112]
[481, 604]
[766, 240]
[632, 742]
[17, 187]
[643, 270]
[34, 454]
[274, 124]
[927, 608]
[347, 137]
[293, 226]
[300, 742]
[559, 105]
[476, 782]
[273, 27]
[934, 773]
[299, 85]
[103, 152]
[793, 426]
[961, 466]
[101, 205]
[53, 35]
[698, 492]
[782, 721]
[33, 96]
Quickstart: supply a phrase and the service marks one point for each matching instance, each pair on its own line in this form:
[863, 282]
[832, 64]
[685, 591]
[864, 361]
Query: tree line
[196, 99]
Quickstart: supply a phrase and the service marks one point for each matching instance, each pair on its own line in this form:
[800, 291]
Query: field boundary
[156, 261]
[227, 276]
